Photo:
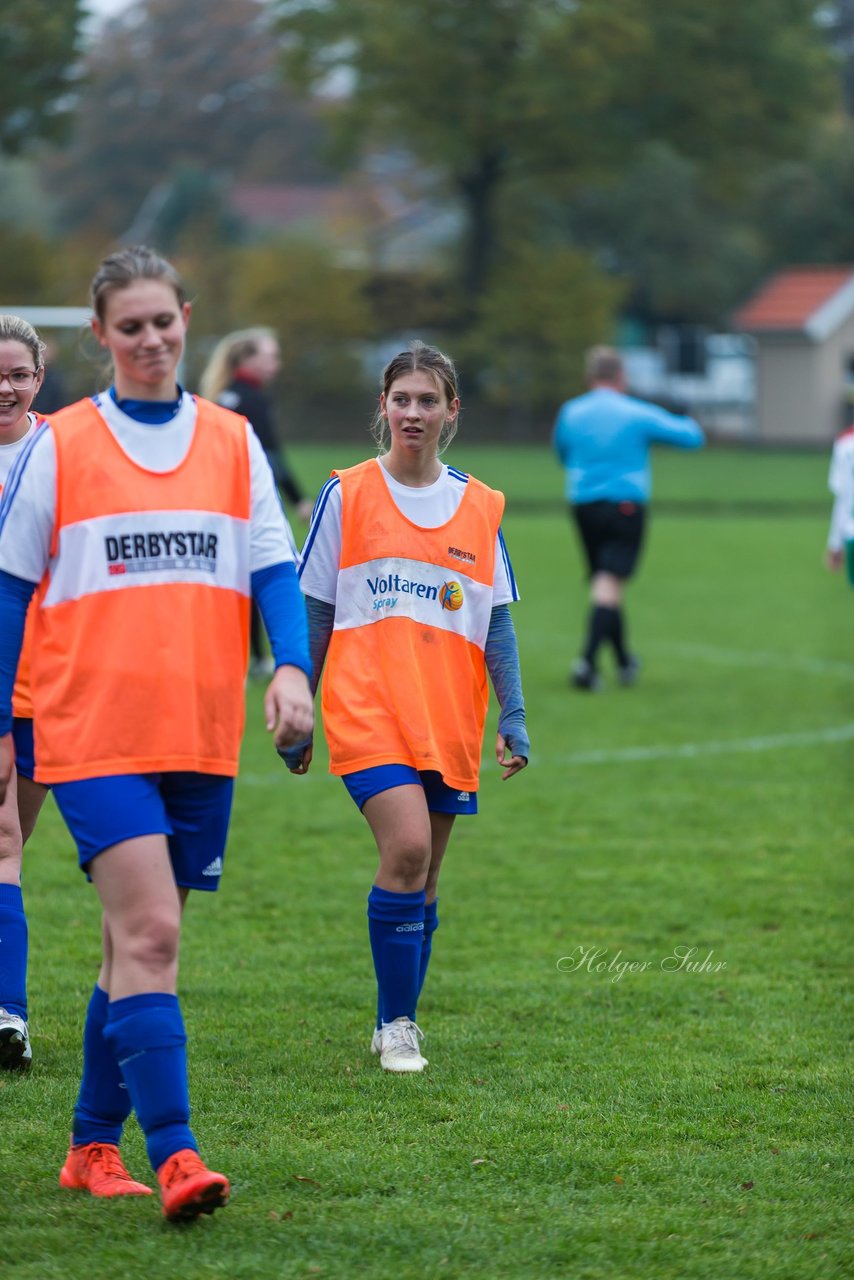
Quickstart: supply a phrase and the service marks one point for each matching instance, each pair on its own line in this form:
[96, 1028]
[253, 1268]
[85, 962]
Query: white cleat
[398, 1047]
[377, 1041]
[15, 1051]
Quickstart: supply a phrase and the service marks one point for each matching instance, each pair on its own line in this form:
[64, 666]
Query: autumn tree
[40, 44]
[181, 87]
[548, 94]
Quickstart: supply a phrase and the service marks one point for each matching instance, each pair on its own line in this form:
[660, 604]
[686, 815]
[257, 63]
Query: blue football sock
[103, 1103]
[13, 951]
[395, 925]
[431, 924]
[147, 1034]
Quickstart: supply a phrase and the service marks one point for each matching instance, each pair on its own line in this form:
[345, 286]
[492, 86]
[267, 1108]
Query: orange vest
[141, 629]
[406, 677]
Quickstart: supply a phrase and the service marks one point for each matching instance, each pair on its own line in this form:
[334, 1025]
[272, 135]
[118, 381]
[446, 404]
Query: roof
[814, 301]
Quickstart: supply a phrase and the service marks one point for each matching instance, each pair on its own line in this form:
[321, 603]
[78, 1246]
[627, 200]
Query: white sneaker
[399, 1046]
[15, 1051]
[377, 1040]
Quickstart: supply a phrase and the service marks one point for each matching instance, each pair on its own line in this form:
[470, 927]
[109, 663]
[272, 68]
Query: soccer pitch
[637, 1007]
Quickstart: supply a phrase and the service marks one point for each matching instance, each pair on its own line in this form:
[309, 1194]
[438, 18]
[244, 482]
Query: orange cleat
[189, 1187]
[98, 1168]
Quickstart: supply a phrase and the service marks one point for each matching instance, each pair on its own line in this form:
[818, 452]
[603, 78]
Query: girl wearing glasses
[21, 374]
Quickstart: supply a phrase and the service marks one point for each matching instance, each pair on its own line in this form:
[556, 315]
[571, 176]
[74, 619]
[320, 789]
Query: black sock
[598, 630]
[617, 637]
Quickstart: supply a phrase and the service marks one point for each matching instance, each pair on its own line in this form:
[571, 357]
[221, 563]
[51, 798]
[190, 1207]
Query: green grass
[664, 1125]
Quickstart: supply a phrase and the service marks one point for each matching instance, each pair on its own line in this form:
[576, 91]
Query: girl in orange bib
[407, 584]
[145, 520]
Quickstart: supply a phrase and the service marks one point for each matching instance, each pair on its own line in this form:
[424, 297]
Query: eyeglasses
[20, 379]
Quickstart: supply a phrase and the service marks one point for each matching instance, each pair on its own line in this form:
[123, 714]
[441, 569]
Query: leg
[400, 823]
[31, 797]
[15, 1052]
[441, 825]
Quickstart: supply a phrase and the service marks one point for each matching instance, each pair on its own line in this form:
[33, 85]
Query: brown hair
[418, 356]
[122, 268]
[14, 329]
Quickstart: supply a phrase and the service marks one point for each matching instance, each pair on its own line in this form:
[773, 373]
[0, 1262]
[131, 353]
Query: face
[266, 362]
[16, 359]
[143, 329]
[417, 408]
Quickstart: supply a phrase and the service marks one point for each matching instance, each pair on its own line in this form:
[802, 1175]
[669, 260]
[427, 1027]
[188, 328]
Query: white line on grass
[663, 751]
[688, 750]
[760, 658]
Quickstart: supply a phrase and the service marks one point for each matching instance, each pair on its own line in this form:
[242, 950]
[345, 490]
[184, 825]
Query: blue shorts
[191, 809]
[440, 797]
[25, 752]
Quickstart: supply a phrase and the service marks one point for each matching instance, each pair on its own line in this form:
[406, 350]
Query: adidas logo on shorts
[464, 797]
[213, 868]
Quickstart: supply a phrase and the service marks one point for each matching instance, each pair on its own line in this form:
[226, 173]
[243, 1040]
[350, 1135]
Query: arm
[676, 429]
[502, 661]
[841, 485]
[321, 620]
[15, 594]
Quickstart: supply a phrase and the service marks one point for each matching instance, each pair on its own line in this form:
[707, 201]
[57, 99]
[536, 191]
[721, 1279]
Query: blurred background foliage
[510, 178]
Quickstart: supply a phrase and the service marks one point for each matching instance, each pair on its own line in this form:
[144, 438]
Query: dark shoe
[628, 673]
[583, 675]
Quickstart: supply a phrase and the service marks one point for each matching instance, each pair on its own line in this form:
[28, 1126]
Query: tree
[174, 87]
[548, 92]
[40, 52]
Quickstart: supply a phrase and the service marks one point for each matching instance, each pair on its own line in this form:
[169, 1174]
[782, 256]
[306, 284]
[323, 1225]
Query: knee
[152, 943]
[11, 846]
[408, 863]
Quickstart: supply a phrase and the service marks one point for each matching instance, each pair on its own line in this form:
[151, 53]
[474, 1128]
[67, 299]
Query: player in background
[238, 375]
[602, 438]
[144, 519]
[407, 583]
[21, 374]
[840, 538]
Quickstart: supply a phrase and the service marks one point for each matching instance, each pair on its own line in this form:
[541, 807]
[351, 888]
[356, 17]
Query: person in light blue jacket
[602, 438]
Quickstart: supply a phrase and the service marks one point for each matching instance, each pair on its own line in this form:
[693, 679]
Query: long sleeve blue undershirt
[15, 595]
[502, 662]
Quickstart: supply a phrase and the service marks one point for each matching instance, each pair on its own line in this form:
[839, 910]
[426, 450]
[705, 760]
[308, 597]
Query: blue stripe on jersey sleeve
[13, 479]
[316, 517]
[508, 566]
[458, 475]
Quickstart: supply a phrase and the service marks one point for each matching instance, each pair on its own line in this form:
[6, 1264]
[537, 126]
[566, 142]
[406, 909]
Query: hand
[512, 764]
[289, 707]
[7, 763]
[298, 761]
[304, 510]
[833, 559]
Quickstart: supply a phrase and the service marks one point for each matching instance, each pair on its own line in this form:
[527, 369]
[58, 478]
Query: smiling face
[143, 327]
[417, 408]
[16, 360]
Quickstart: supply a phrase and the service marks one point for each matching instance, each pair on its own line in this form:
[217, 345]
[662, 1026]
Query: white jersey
[9, 452]
[28, 510]
[426, 507]
[841, 485]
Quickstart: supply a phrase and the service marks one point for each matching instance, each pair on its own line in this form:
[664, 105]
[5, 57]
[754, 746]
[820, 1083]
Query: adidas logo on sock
[410, 928]
[213, 868]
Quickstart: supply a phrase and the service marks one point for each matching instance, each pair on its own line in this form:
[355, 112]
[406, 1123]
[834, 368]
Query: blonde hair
[14, 329]
[418, 356]
[227, 356]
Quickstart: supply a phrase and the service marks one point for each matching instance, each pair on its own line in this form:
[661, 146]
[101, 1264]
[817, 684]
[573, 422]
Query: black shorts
[611, 534]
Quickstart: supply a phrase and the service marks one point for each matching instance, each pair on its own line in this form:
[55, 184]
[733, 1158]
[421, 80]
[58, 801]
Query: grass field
[666, 1123]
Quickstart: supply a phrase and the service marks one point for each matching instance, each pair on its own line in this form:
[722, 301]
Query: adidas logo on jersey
[213, 868]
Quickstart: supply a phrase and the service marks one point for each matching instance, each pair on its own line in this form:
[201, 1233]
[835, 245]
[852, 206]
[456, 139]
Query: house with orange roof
[802, 321]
